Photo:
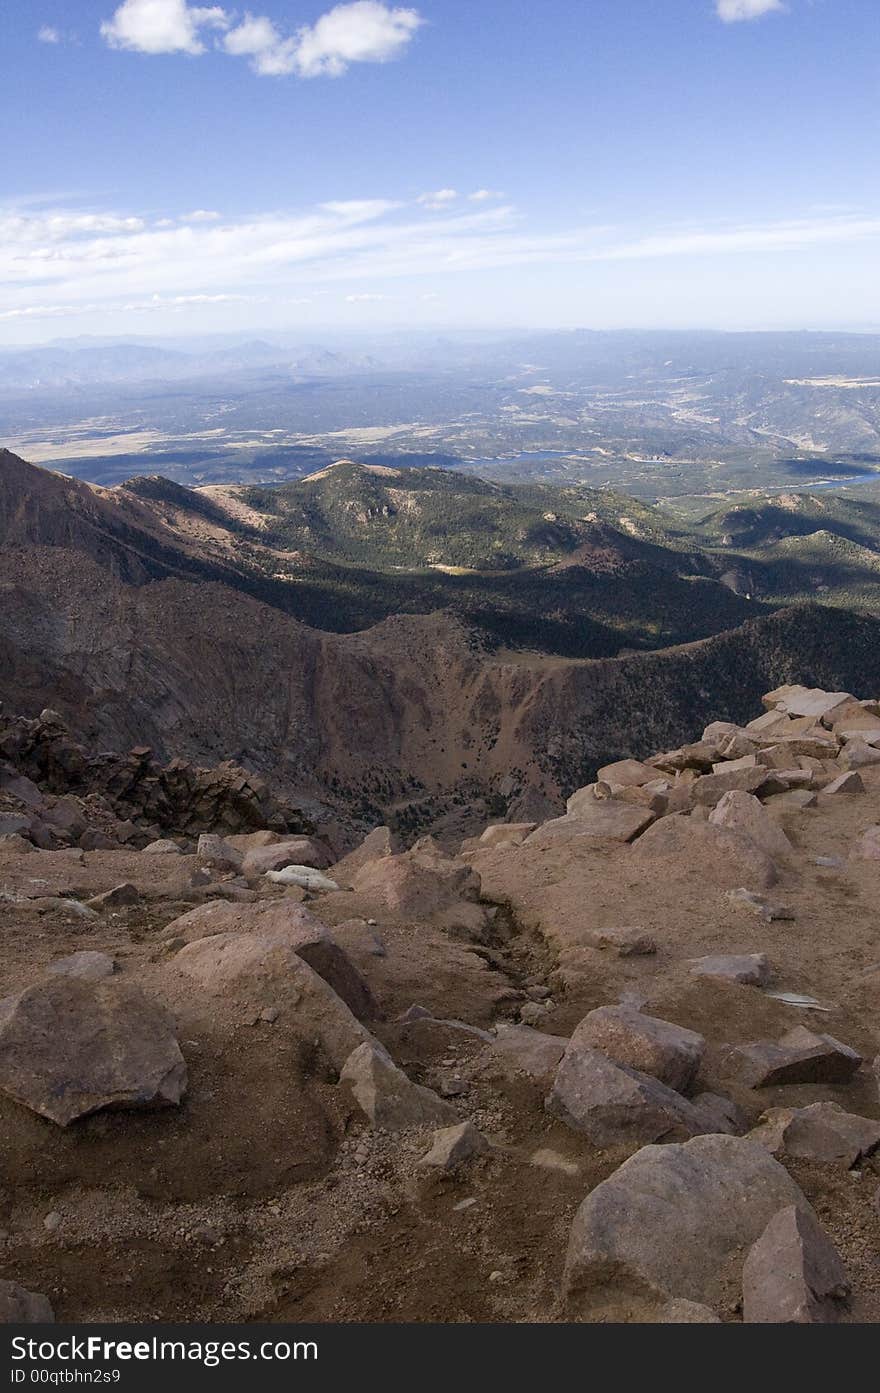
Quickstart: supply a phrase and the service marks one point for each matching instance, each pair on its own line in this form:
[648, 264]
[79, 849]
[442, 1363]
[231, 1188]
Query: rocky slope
[242, 1078]
[140, 633]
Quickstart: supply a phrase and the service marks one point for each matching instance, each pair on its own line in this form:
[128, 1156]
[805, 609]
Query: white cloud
[48, 34]
[438, 200]
[732, 11]
[257, 38]
[365, 31]
[367, 298]
[56, 262]
[162, 26]
[201, 215]
[362, 32]
[484, 195]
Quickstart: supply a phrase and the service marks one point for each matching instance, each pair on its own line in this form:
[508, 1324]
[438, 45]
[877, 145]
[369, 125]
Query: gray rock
[117, 898]
[386, 1096]
[453, 1145]
[21, 1307]
[163, 847]
[793, 1274]
[719, 1114]
[517, 1049]
[86, 964]
[70, 1046]
[751, 969]
[799, 1057]
[846, 783]
[819, 1132]
[612, 1104]
[216, 854]
[668, 1052]
[672, 1219]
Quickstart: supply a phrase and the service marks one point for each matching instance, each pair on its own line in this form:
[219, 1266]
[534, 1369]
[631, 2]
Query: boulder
[794, 700]
[594, 819]
[288, 924]
[711, 788]
[518, 1049]
[751, 969]
[793, 1274]
[819, 1132]
[612, 1104]
[503, 834]
[858, 754]
[305, 876]
[295, 851]
[250, 974]
[453, 1145]
[850, 782]
[672, 1219]
[377, 844]
[419, 883]
[70, 1046]
[742, 813]
[120, 897]
[701, 756]
[687, 849]
[389, 1099]
[667, 1052]
[21, 1307]
[719, 1114]
[799, 1057]
[628, 772]
[625, 942]
[87, 964]
[216, 854]
[163, 847]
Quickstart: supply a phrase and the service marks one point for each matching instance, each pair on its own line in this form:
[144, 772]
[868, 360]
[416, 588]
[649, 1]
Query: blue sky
[169, 167]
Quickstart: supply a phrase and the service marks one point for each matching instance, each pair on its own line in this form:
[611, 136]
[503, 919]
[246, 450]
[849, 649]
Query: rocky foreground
[617, 1066]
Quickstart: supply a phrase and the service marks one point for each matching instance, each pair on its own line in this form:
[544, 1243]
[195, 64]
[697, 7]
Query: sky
[171, 168]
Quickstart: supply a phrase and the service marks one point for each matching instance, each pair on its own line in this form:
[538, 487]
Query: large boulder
[801, 1056]
[819, 1132]
[612, 1104]
[286, 923]
[592, 819]
[518, 1050]
[70, 1046]
[253, 977]
[628, 772]
[21, 1307]
[793, 1274]
[294, 851]
[688, 849]
[389, 1099]
[668, 1052]
[672, 1220]
[420, 882]
[216, 854]
[376, 845]
[742, 813]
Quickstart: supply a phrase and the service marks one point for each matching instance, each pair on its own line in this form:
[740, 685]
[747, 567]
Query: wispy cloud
[48, 34]
[56, 262]
[735, 11]
[438, 200]
[364, 31]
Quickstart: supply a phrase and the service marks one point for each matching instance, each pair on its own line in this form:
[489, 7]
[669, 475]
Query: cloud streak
[736, 11]
[363, 31]
[55, 261]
